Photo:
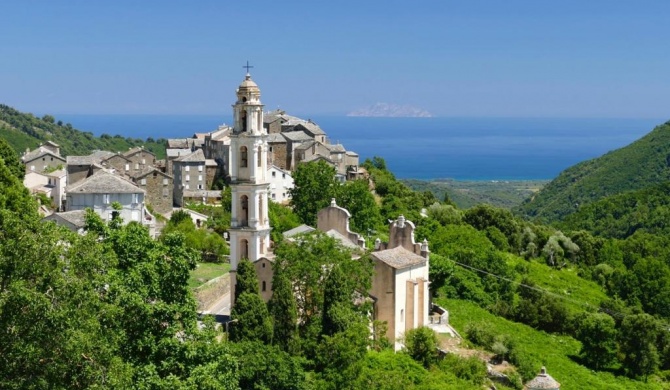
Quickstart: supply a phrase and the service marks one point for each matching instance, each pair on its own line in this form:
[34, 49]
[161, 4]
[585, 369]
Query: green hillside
[26, 131]
[641, 164]
[621, 215]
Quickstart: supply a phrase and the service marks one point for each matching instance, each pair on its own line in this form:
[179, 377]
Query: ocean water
[428, 148]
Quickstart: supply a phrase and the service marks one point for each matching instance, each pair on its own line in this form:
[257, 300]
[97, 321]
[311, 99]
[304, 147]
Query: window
[32, 167]
[199, 177]
[264, 286]
[52, 158]
[186, 186]
[144, 161]
[105, 198]
[187, 168]
[143, 181]
[274, 196]
[199, 186]
[274, 173]
[166, 192]
[243, 157]
[165, 181]
[127, 167]
[402, 315]
[199, 168]
[137, 166]
[283, 176]
[136, 198]
[188, 178]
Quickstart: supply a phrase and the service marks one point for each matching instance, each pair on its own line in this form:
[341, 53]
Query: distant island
[391, 110]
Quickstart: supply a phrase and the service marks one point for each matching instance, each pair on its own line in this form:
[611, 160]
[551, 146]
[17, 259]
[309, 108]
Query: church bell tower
[250, 225]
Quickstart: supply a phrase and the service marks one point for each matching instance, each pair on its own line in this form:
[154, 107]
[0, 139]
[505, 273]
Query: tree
[246, 279]
[48, 118]
[482, 216]
[336, 292]
[314, 185]
[421, 345]
[283, 310]
[14, 196]
[11, 159]
[304, 262]
[638, 336]
[268, 367]
[597, 333]
[355, 196]
[251, 319]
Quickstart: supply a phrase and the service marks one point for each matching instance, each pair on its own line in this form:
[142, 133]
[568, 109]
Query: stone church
[400, 285]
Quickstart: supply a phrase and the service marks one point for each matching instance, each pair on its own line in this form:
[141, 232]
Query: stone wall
[279, 156]
[210, 292]
[158, 194]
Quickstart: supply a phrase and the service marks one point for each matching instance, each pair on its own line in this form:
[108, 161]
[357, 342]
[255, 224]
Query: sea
[428, 148]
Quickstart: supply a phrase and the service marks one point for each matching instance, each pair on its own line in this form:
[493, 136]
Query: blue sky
[586, 58]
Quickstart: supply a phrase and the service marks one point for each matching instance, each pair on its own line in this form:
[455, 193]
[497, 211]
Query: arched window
[244, 215]
[243, 119]
[260, 160]
[243, 157]
[244, 249]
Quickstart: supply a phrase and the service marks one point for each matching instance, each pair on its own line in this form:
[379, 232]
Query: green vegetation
[114, 308]
[204, 272]
[467, 193]
[620, 216]
[26, 131]
[641, 164]
[557, 352]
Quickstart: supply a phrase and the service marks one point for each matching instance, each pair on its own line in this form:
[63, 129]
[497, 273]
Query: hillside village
[482, 263]
[195, 171]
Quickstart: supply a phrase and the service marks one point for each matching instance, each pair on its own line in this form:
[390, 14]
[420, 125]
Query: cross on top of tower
[247, 66]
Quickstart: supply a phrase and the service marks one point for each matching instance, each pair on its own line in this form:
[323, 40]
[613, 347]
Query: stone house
[80, 167]
[140, 158]
[311, 129]
[293, 140]
[46, 156]
[281, 182]
[158, 187]
[278, 153]
[99, 191]
[73, 220]
[173, 154]
[119, 163]
[192, 172]
[217, 146]
[400, 285]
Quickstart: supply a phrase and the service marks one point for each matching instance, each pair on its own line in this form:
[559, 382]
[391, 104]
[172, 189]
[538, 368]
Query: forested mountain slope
[621, 215]
[641, 164]
[24, 130]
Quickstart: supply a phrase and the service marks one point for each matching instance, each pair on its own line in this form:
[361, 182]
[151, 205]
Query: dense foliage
[26, 131]
[641, 164]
